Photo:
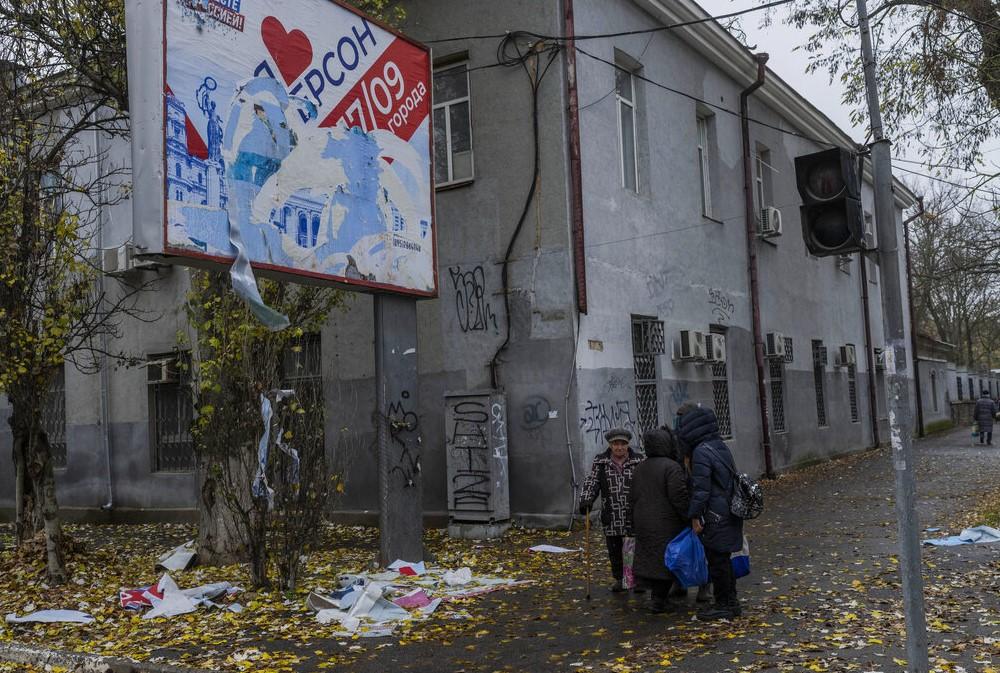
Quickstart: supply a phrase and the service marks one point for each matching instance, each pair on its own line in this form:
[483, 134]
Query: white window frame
[761, 182]
[704, 164]
[630, 103]
[446, 106]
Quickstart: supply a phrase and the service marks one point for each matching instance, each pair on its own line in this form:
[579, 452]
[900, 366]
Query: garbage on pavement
[178, 558]
[372, 605]
[168, 600]
[551, 549]
[51, 616]
[974, 535]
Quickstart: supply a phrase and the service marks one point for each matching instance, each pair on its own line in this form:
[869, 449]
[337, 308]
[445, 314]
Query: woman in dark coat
[659, 502]
[986, 409]
[712, 472]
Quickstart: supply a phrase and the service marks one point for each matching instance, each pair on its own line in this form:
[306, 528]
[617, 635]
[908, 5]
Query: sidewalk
[823, 596]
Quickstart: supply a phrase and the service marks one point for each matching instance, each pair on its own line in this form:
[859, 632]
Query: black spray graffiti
[615, 383]
[600, 417]
[722, 306]
[468, 442]
[403, 425]
[678, 395]
[535, 412]
[471, 306]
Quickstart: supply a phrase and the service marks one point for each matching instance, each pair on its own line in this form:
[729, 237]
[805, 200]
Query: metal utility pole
[399, 479]
[900, 413]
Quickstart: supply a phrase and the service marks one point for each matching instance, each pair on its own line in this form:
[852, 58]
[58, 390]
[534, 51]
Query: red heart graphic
[292, 52]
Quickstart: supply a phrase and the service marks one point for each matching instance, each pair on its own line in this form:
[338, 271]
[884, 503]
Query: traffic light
[832, 217]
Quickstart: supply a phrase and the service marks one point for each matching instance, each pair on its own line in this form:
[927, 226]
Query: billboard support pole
[399, 446]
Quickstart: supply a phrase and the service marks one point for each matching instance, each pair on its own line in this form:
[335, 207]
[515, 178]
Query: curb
[77, 662]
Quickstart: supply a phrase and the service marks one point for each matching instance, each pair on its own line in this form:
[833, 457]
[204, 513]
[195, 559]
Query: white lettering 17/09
[381, 95]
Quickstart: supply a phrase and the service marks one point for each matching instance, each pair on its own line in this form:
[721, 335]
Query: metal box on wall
[476, 441]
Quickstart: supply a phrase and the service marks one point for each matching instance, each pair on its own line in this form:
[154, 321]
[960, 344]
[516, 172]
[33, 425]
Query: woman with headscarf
[659, 503]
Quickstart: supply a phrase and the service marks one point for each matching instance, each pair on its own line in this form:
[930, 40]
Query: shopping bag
[685, 558]
[628, 555]
[741, 560]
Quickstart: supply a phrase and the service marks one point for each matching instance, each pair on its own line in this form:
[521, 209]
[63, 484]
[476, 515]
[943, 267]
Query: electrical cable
[506, 58]
[624, 33]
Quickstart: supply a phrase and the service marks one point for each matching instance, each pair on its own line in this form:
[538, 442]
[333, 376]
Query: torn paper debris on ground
[169, 600]
[178, 558]
[51, 617]
[974, 535]
[457, 578]
[551, 549]
[407, 568]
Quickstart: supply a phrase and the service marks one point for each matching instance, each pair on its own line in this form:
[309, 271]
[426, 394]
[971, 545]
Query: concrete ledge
[118, 515]
[76, 662]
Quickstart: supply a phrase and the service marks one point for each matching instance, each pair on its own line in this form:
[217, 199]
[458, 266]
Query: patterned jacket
[613, 486]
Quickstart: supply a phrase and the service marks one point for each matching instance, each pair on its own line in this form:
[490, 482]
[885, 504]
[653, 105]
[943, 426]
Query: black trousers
[987, 435]
[720, 571]
[615, 554]
[659, 588]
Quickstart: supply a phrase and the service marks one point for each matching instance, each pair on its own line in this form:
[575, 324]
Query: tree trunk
[220, 541]
[38, 507]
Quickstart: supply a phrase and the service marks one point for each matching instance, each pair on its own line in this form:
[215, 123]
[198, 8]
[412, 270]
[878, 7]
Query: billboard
[302, 129]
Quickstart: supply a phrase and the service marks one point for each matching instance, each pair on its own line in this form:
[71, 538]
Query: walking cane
[586, 543]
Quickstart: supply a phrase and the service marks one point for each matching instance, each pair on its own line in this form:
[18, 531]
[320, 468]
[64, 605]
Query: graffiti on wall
[722, 306]
[599, 417]
[470, 423]
[678, 395]
[403, 426]
[472, 308]
[498, 428]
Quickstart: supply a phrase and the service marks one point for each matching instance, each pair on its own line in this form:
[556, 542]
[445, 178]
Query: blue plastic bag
[685, 558]
[741, 560]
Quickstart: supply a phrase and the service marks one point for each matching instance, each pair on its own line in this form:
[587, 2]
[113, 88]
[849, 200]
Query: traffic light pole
[900, 413]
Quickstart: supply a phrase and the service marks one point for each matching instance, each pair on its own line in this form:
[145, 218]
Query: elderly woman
[611, 478]
[659, 502]
[986, 410]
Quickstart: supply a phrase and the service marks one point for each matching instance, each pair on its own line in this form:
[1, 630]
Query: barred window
[819, 369]
[958, 379]
[852, 391]
[934, 395]
[647, 343]
[302, 367]
[777, 395]
[972, 391]
[720, 393]
[54, 417]
[789, 354]
[172, 406]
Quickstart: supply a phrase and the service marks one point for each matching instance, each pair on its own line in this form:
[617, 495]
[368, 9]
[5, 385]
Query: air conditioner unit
[770, 222]
[162, 371]
[774, 345]
[121, 260]
[715, 348]
[690, 346]
[846, 356]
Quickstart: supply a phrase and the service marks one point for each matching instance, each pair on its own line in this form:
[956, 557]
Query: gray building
[634, 244]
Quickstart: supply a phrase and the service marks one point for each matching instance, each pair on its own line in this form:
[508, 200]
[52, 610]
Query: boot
[660, 605]
[704, 593]
[617, 587]
[715, 613]
[678, 591]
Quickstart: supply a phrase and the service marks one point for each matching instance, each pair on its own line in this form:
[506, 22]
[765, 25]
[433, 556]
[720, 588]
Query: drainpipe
[913, 320]
[102, 285]
[869, 352]
[575, 171]
[751, 224]
[576, 234]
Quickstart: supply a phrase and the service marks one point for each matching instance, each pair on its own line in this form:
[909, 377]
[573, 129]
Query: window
[819, 374]
[958, 379]
[177, 170]
[704, 165]
[303, 235]
[647, 342]
[54, 417]
[934, 389]
[720, 393]
[789, 353]
[172, 412]
[972, 391]
[302, 371]
[452, 126]
[762, 178]
[178, 195]
[777, 395]
[627, 141]
[852, 392]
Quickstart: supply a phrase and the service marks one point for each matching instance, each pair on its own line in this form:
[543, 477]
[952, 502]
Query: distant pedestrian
[611, 478]
[659, 502]
[712, 471]
[986, 411]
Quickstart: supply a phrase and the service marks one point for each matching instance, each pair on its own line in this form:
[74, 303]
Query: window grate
[777, 395]
[852, 391]
[647, 343]
[720, 395]
[789, 356]
[173, 413]
[819, 359]
[54, 417]
[961, 396]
